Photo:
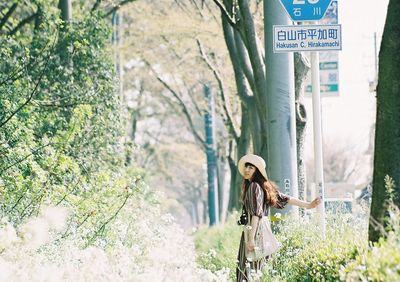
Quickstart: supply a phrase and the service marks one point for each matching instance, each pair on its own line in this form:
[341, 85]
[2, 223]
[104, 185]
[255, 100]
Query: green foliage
[61, 125]
[217, 246]
[303, 256]
[380, 263]
[306, 256]
[390, 188]
[382, 260]
[343, 255]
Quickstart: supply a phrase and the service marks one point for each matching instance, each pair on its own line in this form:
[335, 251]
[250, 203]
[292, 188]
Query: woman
[258, 195]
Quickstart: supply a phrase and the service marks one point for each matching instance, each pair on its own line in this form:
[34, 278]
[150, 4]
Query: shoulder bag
[265, 241]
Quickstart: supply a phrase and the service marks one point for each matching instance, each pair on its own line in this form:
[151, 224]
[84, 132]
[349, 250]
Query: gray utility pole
[65, 7]
[209, 122]
[66, 10]
[281, 119]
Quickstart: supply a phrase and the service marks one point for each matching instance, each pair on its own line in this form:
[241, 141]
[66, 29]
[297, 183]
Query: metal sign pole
[317, 126]
[311, 10]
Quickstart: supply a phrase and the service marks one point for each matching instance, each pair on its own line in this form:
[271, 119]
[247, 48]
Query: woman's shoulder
[255, 186]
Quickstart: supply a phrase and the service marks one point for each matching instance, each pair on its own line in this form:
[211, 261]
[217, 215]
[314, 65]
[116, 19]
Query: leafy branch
[111, 218]
[8, 14]
[34, 90]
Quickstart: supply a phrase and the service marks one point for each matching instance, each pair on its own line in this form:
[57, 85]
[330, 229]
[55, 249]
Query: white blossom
[8, 235]
[35, 232]
[56, 217]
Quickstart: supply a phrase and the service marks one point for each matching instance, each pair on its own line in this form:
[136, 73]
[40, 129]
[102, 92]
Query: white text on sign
[291, 38]
[317, 11]
[306, 10]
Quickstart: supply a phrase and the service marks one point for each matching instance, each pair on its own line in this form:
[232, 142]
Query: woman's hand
[314, 203]
[250, 245]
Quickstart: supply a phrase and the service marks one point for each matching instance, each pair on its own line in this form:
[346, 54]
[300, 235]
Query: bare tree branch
[230, 19]
[22, 23]
[255, 54]
[182, 7]
[256, 60]
[200, 10]
[181, 104]
[8, 14]
[191, 96]
[178, 56]
[207, 5]
[117, 7]
[18, 72]
[112, 217]
[25, 157]
[241, 85]
[69, 192]
[38, 199]
[218, 77]
[95, 5]
[243, 58]
[13, 76]
[27, 101]
[33, 91]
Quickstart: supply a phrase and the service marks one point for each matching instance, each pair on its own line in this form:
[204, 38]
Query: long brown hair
[270, 188]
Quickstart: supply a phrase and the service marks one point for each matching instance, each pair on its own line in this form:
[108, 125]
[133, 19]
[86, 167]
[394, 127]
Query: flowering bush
[304, 255]
[382, 260]
[344, 254]
[143, 245]
[63, 145]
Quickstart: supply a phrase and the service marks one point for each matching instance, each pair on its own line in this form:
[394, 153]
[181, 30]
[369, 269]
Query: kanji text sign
[306, 10]
[292, 38]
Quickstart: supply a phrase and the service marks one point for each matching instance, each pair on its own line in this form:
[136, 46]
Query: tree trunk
[241, 150]
[205, 211]
[301, 68]
[195, 212]
[257, 63]
[242, 143]
[387, 135]
[220, 165]
[254, 124]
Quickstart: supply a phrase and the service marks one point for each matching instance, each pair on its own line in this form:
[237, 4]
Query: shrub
[217, 246]
[304, 254]
[382, 260]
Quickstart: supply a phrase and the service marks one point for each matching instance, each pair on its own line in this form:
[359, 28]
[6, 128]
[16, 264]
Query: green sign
[328, 61]
[325, 88]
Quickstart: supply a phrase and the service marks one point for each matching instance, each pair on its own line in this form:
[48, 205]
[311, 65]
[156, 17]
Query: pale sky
[349, 117]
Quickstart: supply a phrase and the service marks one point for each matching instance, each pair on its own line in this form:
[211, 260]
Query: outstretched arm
[304, 204]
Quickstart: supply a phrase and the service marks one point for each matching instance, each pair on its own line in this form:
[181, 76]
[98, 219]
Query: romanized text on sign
[293, 38]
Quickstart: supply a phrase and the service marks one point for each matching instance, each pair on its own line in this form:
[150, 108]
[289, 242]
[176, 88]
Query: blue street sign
[306, 10]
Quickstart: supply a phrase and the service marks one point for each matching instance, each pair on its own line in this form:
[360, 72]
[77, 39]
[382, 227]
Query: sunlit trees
[169, 59]
[242, 24]
[60, 127]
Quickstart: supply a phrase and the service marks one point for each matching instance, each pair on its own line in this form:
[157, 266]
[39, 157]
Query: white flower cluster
[149, 247]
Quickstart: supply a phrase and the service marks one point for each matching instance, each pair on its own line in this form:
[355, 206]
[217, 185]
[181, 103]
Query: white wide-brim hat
[255, 160]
